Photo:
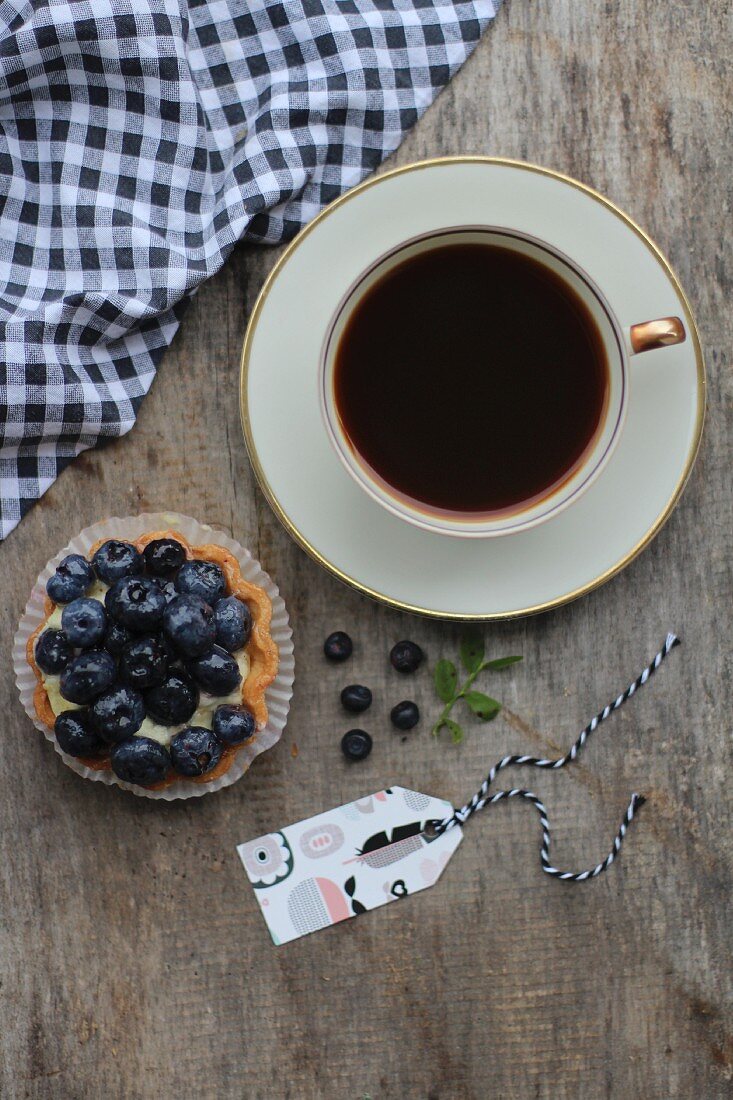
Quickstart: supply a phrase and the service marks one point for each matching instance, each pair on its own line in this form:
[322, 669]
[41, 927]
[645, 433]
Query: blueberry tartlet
[153, 659]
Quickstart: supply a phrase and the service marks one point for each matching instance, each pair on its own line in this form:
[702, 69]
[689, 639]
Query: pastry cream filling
[204, 715]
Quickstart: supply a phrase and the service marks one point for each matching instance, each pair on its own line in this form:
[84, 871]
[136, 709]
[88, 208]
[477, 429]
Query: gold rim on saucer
[567, 597]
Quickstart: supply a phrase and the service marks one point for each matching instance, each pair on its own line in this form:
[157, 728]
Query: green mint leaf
[483, 706]
[501, 662]
[472, 650]
[446, 678]
[456, 733]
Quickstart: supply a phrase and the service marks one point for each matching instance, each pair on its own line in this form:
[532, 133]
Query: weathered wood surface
[134, 961]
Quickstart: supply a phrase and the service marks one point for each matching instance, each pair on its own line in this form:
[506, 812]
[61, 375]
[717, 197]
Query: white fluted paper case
[278, 694]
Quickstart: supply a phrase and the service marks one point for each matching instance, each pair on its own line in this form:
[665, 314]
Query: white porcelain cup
[620, 345]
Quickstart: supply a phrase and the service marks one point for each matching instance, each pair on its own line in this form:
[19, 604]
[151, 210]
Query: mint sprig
[446, 685]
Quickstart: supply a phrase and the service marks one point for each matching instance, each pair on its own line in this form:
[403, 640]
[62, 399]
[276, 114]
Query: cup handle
[657, 334]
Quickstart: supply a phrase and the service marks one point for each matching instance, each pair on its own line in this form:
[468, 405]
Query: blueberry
[405, 715]
[174, 701]
[216, 672]
[116, 638]
[356, 744]
[144, 662]
[201, 578]
[233, 724]
[233, 622]
[167, 587]
[84, 622]
[163, 557]
[53, 651]
[174, 657]
[356, 698]
[72, 578]
[115, 559]
[76, 734]
[140, 760]
[406, 656]
[136, 602]
[87, 676]
[195, 751]
[338, 646]
[189, 624]
[118, 713]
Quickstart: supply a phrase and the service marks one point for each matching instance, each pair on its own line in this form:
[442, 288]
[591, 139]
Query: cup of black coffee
[475, 381]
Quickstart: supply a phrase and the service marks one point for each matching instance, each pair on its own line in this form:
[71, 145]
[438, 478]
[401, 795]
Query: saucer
[381, 555]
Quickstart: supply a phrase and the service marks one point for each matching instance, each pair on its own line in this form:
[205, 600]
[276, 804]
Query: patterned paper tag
[348, 860]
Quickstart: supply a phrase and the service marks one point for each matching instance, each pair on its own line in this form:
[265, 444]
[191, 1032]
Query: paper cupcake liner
[278, 695]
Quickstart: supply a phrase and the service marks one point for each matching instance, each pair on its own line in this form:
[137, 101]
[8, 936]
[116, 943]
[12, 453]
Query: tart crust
[261, 650]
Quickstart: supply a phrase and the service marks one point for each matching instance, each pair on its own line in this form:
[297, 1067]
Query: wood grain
[134, 962]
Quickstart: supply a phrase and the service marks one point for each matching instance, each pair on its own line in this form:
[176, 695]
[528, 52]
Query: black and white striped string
[482, 797]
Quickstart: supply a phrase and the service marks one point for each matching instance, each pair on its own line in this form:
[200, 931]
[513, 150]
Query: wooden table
[134, 960]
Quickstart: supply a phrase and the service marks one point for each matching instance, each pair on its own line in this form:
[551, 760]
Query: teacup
[620, 344]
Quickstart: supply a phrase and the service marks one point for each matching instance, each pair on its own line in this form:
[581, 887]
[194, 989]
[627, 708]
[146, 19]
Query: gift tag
[396, 842]
[346, 861]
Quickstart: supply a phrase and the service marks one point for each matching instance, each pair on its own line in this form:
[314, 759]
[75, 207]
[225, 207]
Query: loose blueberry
[356, 698]
[405, 715]
[76, 734]
[338, 646]
[140, 760]
[174, 701]
[406, 656]
[116, 638]
[84, 622]
[233, 622]
[201, 578]
[233, 724]
[195, 751]
[163, 557]
[144, 662]
[72, 578]
[136, 602]
[118, 713]
[87, 676]
[53, 651]
[167, 587]
[216, 672]
[356, 744]
[115, 560]
[188, 622]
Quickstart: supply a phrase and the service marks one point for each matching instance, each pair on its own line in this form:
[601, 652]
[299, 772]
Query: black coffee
[471, 379]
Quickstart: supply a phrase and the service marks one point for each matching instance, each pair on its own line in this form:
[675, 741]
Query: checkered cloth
[139, 140]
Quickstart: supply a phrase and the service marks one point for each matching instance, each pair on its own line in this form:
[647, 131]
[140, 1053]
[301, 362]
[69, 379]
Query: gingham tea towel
[138, 142]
